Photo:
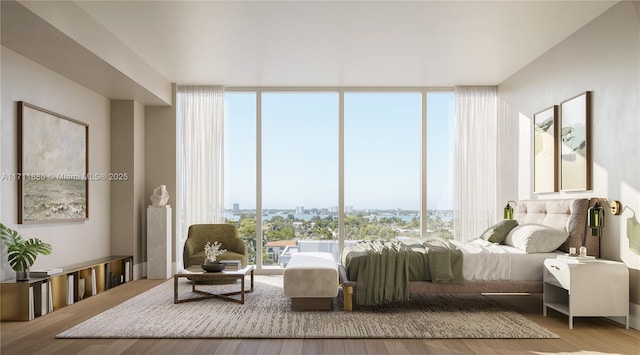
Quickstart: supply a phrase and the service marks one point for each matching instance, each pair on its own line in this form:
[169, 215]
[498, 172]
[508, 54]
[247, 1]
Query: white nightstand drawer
[550, 279]
[557, 273]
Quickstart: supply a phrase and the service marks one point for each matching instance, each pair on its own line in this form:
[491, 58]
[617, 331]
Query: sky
[300, 145]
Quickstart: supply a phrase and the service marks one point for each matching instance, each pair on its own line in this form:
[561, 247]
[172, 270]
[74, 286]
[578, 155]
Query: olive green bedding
[383, 269]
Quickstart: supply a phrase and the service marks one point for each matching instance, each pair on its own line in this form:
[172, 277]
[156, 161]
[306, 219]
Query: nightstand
[594, 288]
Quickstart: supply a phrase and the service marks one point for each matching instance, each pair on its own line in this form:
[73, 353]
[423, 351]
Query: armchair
[198, 236]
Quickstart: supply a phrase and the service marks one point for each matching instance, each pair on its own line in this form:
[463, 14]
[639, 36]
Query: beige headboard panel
[568, 214]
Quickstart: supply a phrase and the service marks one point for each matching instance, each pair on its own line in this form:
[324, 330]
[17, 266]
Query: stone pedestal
[159, 242]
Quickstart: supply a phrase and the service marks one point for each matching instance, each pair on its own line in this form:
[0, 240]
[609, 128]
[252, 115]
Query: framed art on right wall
[545, 150]
[575, 150]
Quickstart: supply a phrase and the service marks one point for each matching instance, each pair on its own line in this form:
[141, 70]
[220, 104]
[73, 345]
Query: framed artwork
[53, 153]
[545, 150]
[575, 156]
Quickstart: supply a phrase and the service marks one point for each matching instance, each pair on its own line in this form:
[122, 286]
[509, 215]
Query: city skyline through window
[283, 152]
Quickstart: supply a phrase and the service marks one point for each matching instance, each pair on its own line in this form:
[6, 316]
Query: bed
[521, 271]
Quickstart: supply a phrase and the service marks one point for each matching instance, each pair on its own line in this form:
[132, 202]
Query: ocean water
[407, 218]
[53, 199]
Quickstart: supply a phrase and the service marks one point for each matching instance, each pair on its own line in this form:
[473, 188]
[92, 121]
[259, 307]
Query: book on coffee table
[231, 265]
[576, 257]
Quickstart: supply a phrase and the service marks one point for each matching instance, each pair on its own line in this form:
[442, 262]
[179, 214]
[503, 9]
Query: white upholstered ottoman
[311, 281]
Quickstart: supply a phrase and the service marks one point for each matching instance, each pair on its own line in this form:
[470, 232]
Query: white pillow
[536, 238]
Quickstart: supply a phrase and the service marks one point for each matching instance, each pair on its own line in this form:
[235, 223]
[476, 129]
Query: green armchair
[226, 234]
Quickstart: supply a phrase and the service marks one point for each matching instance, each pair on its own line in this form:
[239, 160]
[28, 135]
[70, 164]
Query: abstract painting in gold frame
[575, 155]
[545, 150]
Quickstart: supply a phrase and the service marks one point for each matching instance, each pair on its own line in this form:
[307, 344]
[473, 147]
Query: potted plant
[211, 252]
[22, 252]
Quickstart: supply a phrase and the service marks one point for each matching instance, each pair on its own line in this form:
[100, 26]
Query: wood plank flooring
[592, 335]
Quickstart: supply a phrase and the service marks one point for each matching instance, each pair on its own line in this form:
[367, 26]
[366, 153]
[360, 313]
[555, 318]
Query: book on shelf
[94, 290]
[50, 303]
[45, 272]
[44, 297]
[127, 271]
[70, 290]
[231, 265]
[32, 310]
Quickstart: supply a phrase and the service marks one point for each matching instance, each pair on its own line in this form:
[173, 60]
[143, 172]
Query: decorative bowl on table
[213, 267]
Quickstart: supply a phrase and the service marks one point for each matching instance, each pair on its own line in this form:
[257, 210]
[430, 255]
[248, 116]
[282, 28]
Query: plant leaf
[10, 236]
[22, 253]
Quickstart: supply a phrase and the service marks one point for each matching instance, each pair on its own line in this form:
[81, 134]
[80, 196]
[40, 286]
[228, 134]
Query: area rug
[267, 314]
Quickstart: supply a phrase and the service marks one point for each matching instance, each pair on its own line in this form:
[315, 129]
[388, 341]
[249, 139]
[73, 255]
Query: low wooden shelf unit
[26, 300]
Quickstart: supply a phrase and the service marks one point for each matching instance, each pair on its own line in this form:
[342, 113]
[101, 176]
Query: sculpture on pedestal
[160, 196]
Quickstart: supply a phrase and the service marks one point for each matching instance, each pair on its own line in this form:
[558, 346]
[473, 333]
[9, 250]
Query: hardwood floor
[593, 335]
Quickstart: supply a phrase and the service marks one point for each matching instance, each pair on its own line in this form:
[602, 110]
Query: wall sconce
[595, 216]
[595, 219]
[616, 207]
[508, 210]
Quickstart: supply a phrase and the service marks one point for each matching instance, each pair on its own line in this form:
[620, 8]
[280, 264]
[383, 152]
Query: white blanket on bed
[484, 261]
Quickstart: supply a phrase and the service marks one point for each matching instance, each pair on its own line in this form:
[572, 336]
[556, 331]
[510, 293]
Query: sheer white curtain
[200, 129]
[474, 161]
[508, 161]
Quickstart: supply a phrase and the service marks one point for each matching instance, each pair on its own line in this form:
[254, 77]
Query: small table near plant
[195, 273]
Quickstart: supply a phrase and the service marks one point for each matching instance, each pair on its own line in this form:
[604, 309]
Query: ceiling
[339, 43]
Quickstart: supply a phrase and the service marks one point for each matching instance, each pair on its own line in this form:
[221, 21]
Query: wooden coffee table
[195, 273]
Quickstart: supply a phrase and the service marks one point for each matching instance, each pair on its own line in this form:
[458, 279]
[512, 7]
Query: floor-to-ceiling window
[240, 166]
[308, 162]
[440, 120]
[382, 164]
[299, 172]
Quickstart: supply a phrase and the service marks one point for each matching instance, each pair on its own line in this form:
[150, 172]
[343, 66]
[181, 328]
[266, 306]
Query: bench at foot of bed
[311, 281]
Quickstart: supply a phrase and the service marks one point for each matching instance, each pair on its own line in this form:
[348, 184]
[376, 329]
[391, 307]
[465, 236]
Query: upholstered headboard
[568, 214]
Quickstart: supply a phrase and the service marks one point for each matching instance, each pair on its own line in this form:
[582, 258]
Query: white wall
[602, 57]
[24, 80]
[128, 209]
[160, 156]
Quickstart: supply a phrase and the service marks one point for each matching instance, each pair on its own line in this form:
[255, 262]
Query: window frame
[341, 205]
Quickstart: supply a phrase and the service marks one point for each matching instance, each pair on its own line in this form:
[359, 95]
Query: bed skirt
[417, 287]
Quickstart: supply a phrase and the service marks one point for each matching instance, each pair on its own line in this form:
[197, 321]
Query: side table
[593, 288]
